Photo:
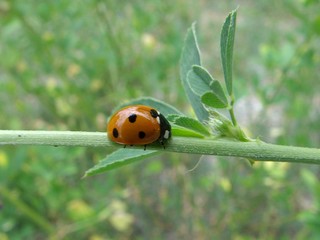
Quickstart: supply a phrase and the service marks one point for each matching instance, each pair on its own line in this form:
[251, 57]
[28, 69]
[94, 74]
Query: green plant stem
[231, 112]
[223, 147]
[53, 138]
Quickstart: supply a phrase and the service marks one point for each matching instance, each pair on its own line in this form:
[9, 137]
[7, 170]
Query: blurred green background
[64, 65]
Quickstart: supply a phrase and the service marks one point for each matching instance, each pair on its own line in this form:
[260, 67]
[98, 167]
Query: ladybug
[138, 125]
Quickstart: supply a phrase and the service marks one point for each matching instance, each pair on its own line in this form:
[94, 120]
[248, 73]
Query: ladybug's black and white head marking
[165, 127]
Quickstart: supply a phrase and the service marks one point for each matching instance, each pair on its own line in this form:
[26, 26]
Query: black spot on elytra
[132, 118]
[115, 133]
[142, 134]
[154, 113]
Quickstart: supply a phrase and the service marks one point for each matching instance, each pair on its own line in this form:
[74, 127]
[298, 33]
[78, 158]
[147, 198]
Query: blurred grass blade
[189, 123]
[120, 158]
[212, 100]
[226, 47]
[191, 56]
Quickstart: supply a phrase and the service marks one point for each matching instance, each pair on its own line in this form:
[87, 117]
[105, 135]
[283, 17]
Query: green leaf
[226, 45]
[197, 85]
[120, 158]
[189, 123]
[184, 132]
[191, 56]
[203, 74]
[218, 91]
[163, 107]
[212, 100]
[201, 82]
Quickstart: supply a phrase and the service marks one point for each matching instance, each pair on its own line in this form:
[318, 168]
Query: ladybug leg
[162, 143]
[124, 146]
[145, 147]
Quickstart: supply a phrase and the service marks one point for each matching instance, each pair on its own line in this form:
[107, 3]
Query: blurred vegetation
[65, 65]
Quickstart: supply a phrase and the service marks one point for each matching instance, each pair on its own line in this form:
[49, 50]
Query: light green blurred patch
[120, 219]
[79, 209]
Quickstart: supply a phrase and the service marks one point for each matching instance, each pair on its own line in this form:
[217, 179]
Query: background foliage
[65, 65]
